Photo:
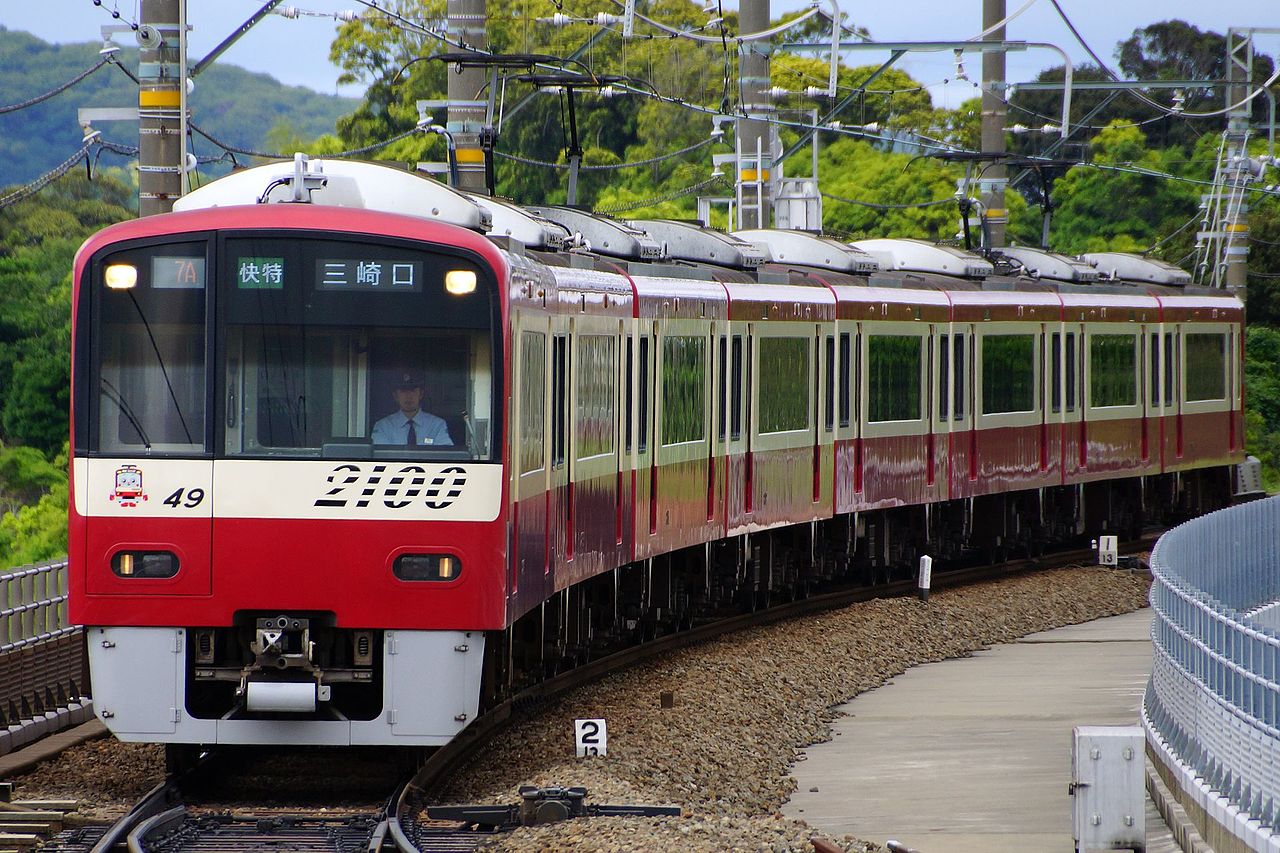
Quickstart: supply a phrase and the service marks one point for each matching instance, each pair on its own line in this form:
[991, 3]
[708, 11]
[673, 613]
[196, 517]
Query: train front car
[288, 486]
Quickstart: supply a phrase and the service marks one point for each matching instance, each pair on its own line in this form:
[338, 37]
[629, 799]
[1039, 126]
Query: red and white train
[648, 422]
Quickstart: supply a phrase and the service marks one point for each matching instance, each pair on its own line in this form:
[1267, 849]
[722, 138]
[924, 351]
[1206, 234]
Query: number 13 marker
[592, 737]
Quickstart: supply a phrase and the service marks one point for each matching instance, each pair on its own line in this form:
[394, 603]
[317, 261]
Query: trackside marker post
[591, 737]
[923, 578]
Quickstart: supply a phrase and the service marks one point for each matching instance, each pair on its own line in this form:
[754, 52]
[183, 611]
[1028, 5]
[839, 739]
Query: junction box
[1108, 784]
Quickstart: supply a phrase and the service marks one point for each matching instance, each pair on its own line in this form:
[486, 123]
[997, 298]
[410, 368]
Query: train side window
[594, 419]
[893, 377]
[1155, 370]
[944, 382]
[684, 368]
[749, 395]
[627, 412]
[830, 422]
[533, 400]
[1055, 356]
[784, 384]
[1113, 370]
[643, 443]
[1071, 371]
[560, 381]
[735, 402]
[846, 367]
[957, 377]
[1008, 373]
[722, 388]
[1206, 367]
[1170, 365]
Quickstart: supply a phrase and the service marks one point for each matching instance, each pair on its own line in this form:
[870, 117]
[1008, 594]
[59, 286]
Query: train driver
[409, 425]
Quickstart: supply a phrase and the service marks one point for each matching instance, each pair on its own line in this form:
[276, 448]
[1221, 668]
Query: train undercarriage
[664, 594]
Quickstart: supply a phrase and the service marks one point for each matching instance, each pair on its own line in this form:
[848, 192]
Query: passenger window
[846, 367]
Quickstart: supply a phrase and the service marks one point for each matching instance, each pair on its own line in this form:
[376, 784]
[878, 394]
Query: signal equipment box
[1108, 784]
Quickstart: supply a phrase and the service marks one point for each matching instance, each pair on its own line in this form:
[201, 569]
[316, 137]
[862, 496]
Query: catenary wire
[31, 102]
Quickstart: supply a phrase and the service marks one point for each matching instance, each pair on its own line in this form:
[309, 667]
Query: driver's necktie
[413, 435]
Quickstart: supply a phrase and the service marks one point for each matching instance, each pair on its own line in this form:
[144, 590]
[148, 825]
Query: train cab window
[783, 404]
[148, 390]
[1113, 370]
[1206, 367]
[893, 377]
[533, 400]
[846, 372]
[684, 370]
[735, 387]
[1008, 373]
[1070, 363]
[359, 350]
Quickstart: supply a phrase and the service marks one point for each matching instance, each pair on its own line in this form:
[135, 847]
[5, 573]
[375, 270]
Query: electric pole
[994, 114]
[161, 102]
[1237, 165]
[755, 135]
[466, 121]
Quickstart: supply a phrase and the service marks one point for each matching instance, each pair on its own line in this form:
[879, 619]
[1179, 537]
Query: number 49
[194, 497]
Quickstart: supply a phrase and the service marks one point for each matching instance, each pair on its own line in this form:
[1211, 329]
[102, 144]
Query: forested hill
[237, 106]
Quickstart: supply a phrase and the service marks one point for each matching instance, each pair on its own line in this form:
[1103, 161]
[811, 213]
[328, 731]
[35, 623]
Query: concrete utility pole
[1236, 220]
[755, 136]
[994, 113]
[466, 23]
[161, 100]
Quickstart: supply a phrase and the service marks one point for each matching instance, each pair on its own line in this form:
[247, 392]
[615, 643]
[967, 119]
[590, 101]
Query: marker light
[121, 276]
[460, 282]
[426, 567]
[144, 564]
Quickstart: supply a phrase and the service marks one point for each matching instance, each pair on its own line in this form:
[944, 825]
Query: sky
[296, 51]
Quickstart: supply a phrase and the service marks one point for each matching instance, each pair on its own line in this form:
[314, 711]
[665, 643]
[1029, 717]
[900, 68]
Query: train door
[964, 350]
[738, 433]
[560, 507]
[1056, 409]
[530, 557]
[646, 518]
[1077, 428]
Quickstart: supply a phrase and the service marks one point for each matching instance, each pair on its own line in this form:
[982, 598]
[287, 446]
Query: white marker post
[924, 577]
[591, 737]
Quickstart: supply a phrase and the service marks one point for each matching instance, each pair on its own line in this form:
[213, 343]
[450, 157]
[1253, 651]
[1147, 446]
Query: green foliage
[1262, 399]
[237, 106]
[853, 169]
[33, 506]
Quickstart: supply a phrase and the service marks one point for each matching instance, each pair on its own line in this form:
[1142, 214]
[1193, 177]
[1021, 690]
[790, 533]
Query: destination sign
[387, 276]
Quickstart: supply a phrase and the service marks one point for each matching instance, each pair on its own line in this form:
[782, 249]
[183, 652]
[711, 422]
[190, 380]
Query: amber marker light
[121, 276]
[460, 282]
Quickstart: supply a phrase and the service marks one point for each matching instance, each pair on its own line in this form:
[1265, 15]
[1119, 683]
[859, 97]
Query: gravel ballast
[745, 705]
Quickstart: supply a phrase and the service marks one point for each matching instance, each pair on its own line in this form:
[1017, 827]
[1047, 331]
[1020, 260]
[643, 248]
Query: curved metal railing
[1213, 702]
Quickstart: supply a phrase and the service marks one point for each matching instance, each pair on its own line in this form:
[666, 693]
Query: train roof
[694, 242]
[1138, 268]
[801, 248]
[923, 256]
[1044, 264]
[341, 183]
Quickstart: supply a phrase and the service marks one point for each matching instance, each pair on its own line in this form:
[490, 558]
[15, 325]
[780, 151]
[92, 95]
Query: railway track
[169, 820]
[412, 806]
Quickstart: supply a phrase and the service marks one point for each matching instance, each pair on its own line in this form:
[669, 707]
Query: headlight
[426, 567]
[120, 276]
[144, 564]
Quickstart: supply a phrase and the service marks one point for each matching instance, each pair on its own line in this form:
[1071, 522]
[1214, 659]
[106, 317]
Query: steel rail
[448, 759]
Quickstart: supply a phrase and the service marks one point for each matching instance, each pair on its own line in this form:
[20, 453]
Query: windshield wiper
[116, 397]
[163, 372]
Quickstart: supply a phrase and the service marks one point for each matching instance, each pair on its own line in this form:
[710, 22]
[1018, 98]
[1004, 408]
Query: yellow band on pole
[1237, 228]
[750, 175]
[159, 98]
[470, 155]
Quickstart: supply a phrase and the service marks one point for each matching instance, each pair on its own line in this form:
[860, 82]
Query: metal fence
[43, 664]
[1213, 701]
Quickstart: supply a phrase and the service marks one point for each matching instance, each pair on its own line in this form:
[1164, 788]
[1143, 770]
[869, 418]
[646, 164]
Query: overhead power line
[48, 177]
[31, 102]
[354, 152]
[607, 166]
